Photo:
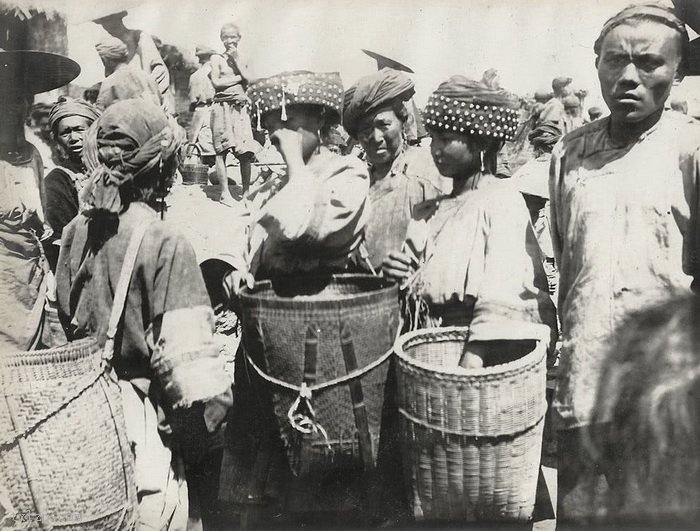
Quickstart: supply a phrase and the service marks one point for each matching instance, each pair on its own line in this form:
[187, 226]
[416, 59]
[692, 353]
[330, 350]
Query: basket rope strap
[304, 392]
[357, 397]
[108, 350]
[122, 290]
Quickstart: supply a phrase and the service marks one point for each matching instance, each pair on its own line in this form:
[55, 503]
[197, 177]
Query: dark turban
[373, 92]
[112, 48]
[646, 11]
[130, 139]
[466, 106]
[68, 107]
[545, 135]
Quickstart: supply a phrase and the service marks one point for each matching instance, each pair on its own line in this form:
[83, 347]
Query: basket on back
[471, 437]
[321, 346]
[64, 455]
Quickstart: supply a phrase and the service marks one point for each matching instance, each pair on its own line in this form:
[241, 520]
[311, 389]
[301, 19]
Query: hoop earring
[483, 168]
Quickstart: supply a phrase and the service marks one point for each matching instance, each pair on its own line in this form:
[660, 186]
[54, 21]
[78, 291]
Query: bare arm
[221, 75]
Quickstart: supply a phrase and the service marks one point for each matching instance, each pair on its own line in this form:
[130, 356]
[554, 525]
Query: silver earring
[483, 168]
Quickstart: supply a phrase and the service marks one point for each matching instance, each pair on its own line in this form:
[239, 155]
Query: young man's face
[636, 68]
[230, 38]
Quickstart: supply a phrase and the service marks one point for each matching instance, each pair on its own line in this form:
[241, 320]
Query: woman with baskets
[471, 257]
[171, 374]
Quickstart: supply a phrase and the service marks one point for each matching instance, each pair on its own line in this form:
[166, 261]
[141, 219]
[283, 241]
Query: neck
[622, 132]
[465, 183]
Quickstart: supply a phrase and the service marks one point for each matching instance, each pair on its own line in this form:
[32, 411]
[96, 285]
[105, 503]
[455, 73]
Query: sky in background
[528, 41]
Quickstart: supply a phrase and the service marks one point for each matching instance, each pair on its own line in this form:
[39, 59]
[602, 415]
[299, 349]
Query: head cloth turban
[130, 139]
[646, 11]
[373, 92]
[72, 107]
[112, 48]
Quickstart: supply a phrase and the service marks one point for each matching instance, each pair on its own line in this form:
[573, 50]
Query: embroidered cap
[469, 107]
[299, 87]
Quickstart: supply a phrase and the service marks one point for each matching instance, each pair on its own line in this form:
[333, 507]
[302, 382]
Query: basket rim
[385, 287]
[86, 347]
[450, 332]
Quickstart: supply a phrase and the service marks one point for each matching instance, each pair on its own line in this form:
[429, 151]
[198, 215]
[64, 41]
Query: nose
[629, 75]
[376, 136]
[75, 135]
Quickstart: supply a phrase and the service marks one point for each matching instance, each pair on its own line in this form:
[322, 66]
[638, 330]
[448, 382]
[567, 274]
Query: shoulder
[684, 129]
[348, 165]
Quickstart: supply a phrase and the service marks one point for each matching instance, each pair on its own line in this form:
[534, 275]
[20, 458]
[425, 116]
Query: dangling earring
[483, 168]
[318, 146]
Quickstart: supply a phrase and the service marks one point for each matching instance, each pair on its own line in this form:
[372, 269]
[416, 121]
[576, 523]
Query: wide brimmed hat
[35, 71]
[386, 62]
[299, 87]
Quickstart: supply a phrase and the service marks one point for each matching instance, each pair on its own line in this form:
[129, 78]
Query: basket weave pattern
[46, 447]
[472, 437]
[275, 332]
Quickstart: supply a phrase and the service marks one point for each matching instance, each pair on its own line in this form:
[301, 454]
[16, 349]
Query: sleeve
[185, 357]
[511, 299]
[61, 200]
[153, 63]
[556, 220]
[327, 211]
[691, 240]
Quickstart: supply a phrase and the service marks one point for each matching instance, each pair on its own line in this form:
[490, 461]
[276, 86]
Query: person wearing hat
[230, 118]
[174, 387]
[553, 110]
[311, 225]
[201, 93]
[123, 80]
[65, 186]
[376, 114]
[624, 211]
[532, 180]
[24, 272]
[471, 255]
[572, 111]
[142, 53]
[594, 113]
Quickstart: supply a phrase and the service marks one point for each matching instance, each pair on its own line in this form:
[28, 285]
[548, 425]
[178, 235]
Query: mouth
[627, 97]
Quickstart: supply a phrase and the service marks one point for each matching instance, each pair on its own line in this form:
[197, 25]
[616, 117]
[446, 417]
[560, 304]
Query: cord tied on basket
[305, 422]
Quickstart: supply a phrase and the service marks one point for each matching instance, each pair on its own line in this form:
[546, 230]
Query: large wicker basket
[314, 332]
[471, 437]
[64, 455]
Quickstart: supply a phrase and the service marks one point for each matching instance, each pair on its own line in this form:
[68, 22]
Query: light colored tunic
[23, 269]
[392, 200]
[313, 223]
[625, 233]
[481, 264]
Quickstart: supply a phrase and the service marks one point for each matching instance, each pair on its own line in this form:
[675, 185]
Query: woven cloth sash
[108, 349]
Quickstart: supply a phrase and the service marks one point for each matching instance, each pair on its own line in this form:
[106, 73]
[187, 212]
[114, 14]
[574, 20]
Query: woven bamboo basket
[64, 455]
[313, 331]
[471, 437]
[193, 170]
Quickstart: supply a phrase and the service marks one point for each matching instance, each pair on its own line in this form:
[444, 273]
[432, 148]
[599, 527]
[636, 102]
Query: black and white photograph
[349, 264]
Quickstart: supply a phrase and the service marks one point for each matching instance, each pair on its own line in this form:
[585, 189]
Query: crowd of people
[582, 232]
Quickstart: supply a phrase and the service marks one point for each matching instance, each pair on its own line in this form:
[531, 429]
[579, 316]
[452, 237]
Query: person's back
[125, 83]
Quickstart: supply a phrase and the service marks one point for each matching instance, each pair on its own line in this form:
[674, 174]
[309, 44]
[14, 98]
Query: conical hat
[36, 71]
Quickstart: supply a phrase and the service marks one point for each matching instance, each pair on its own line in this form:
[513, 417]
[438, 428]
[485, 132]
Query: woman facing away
[170, 371]
[472, 255]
